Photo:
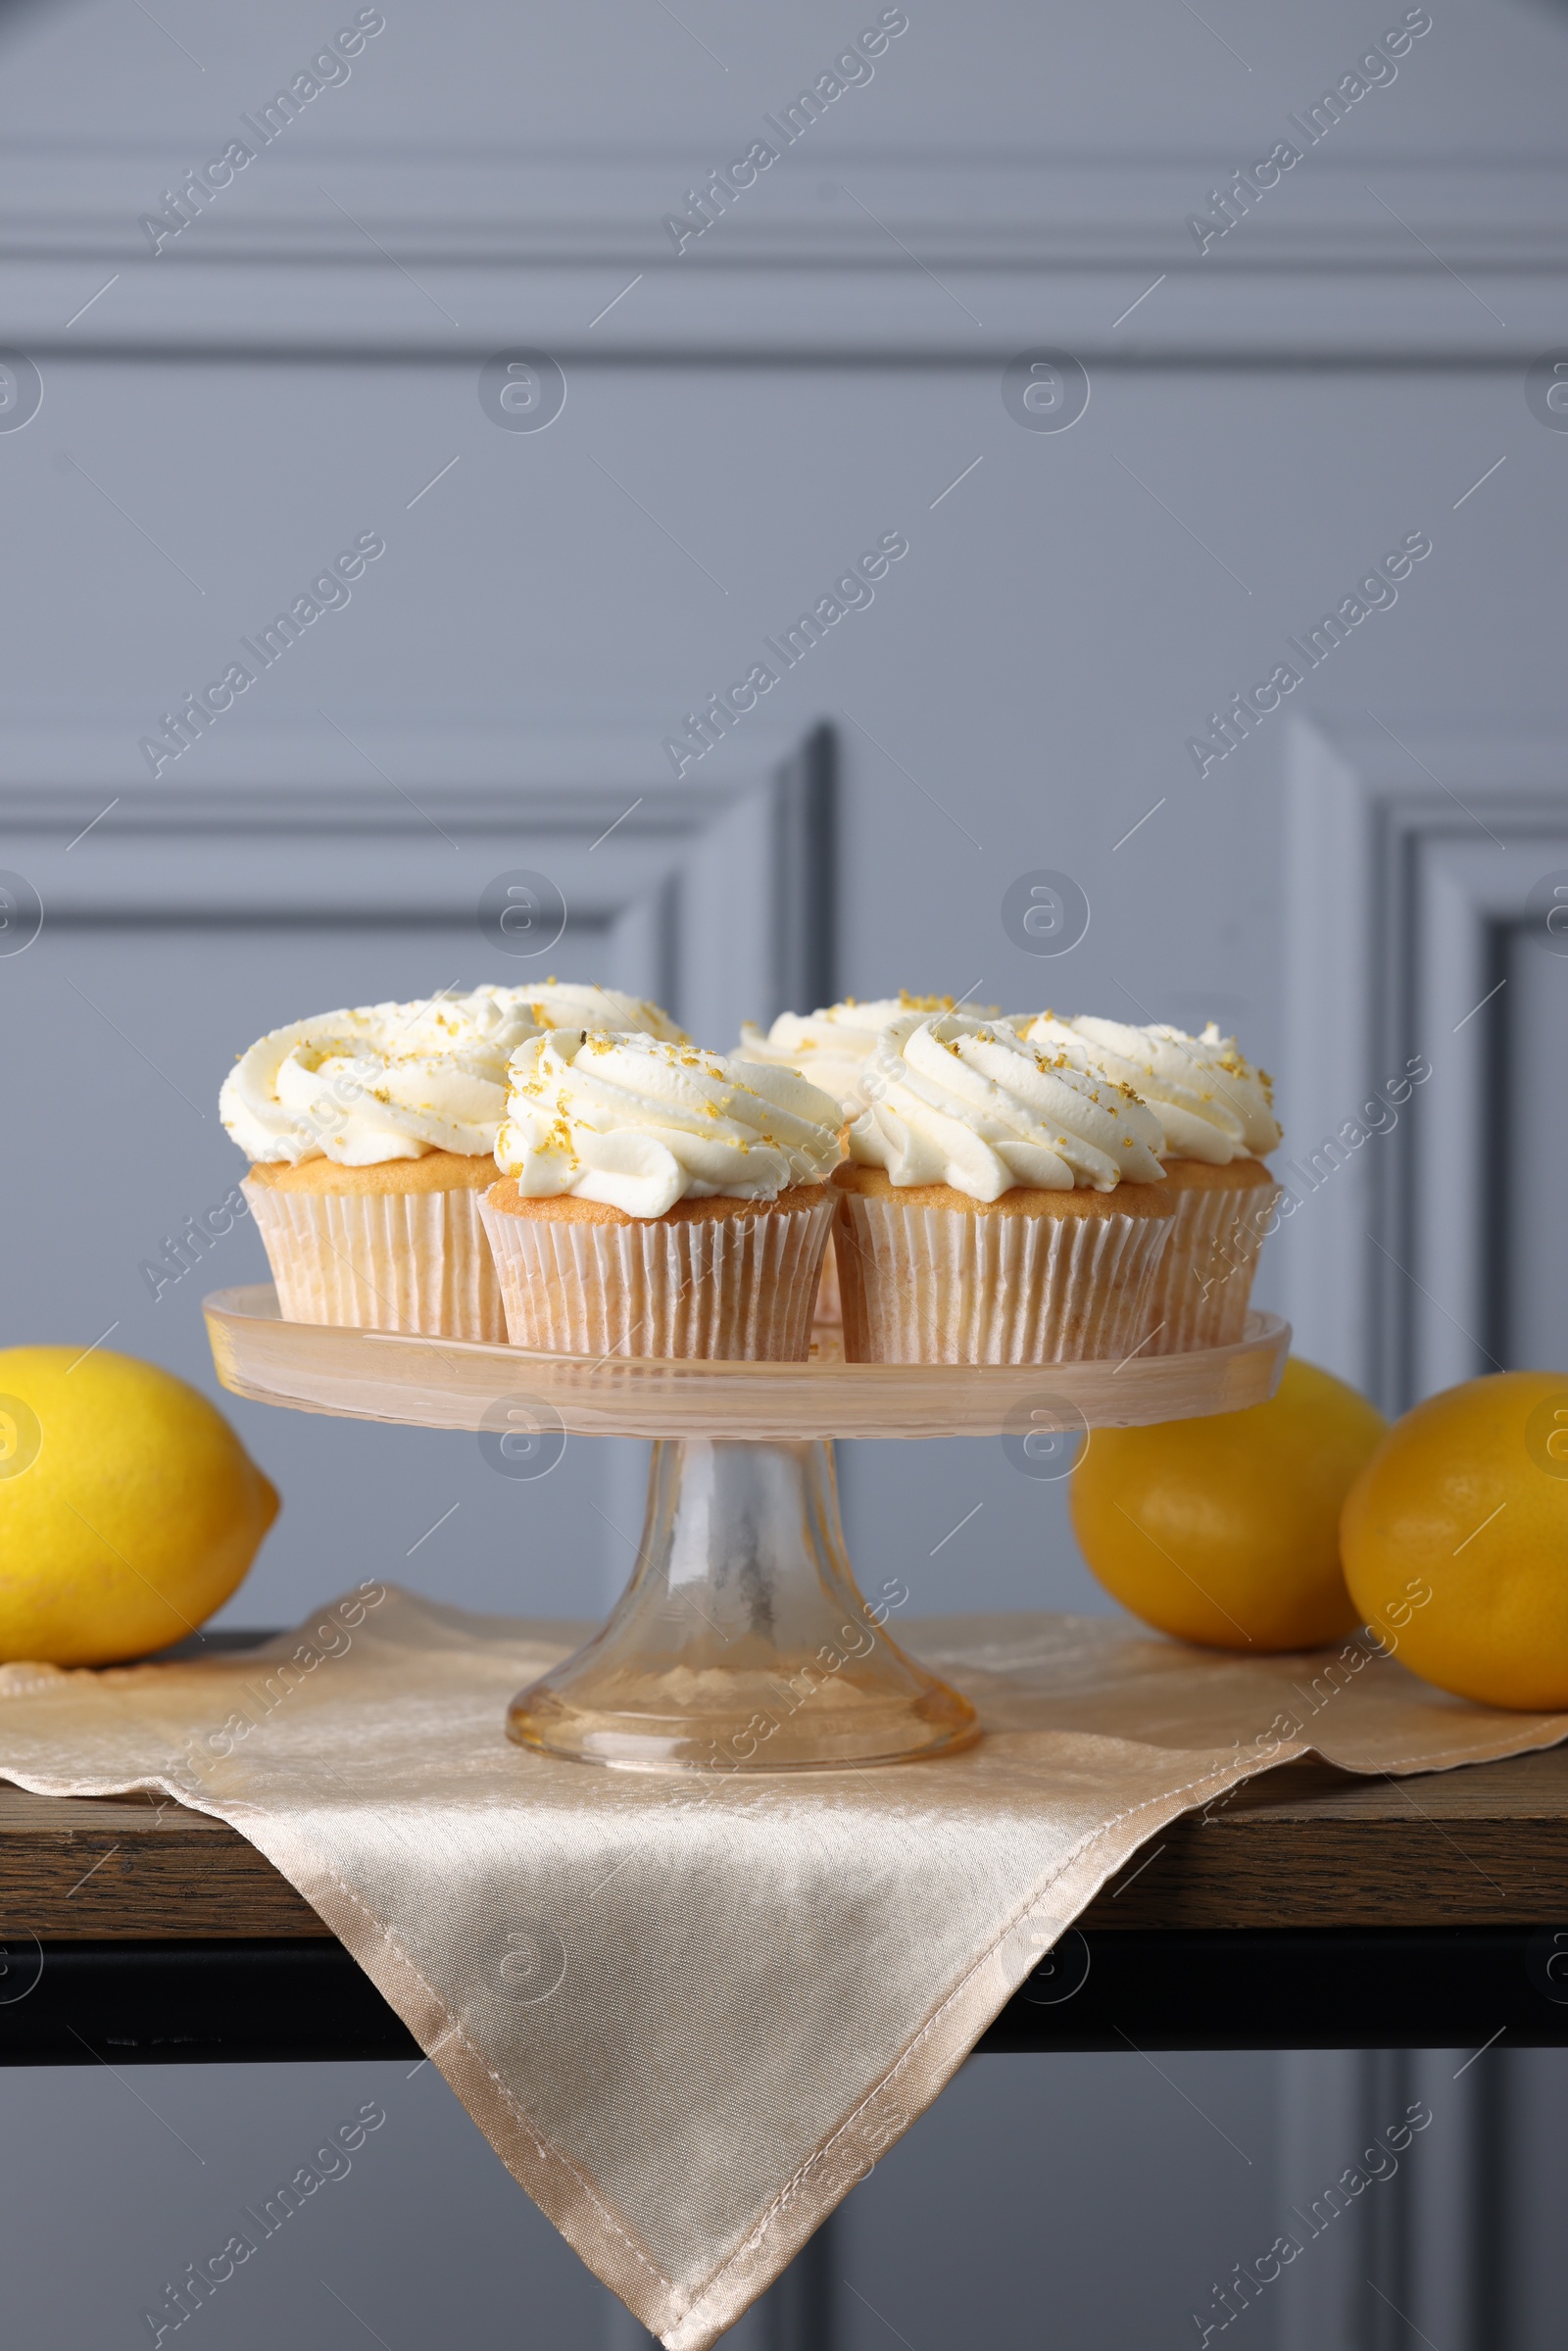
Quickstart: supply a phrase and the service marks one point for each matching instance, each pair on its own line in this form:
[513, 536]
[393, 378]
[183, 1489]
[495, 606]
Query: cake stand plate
[742, 1643]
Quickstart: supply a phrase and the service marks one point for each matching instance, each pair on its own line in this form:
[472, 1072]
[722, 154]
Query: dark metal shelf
[264, 2001]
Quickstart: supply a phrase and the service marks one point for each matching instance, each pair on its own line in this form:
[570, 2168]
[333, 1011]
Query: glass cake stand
[741, 1642]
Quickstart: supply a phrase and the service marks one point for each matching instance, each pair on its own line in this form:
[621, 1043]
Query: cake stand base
[741, 1643]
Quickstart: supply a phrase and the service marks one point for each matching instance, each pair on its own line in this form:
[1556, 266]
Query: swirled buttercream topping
[830, 1047]
[969, 1104]
[639, 1123]
[578, 1005]
[393, 1081]
[1211, 1103]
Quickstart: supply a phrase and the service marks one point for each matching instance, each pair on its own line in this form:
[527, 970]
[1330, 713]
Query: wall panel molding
[706, 896]
[851, 253]
[1409, 859]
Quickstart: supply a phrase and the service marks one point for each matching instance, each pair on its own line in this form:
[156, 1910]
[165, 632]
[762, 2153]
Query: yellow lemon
[1462, 1512]
[128, 1508]
[1225, 1530]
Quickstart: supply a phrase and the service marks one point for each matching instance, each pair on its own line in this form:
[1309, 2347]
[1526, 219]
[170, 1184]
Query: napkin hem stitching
[546, 2148]
[1448, 1758]
[821, 2153]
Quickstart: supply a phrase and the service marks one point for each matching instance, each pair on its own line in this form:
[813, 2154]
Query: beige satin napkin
[688, 2013]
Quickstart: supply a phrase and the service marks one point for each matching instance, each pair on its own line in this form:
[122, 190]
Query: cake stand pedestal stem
[742, 1643]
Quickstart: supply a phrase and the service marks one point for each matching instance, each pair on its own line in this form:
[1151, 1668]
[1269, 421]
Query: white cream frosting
[393, 1081]
[1211, 1103]
[968, 1103]
[581, 1005]
[638, 1124]
[831, 1047]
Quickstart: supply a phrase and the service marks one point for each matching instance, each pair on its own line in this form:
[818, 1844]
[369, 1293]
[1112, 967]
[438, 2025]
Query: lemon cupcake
[659, 1200]
[1216, 1118]
[830, 1047]
[372, 1134]
[998, 1205]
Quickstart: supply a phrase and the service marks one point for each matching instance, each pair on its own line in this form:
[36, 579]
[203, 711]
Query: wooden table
[1314, 1909]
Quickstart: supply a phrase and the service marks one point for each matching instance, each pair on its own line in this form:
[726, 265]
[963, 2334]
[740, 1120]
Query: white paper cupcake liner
[736, 1288]
[1205, 1280]
[829, 1305]
[381, 1260]
[924, 1284]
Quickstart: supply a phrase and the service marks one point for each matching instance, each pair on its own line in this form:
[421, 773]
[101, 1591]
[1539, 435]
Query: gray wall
[816, 370]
